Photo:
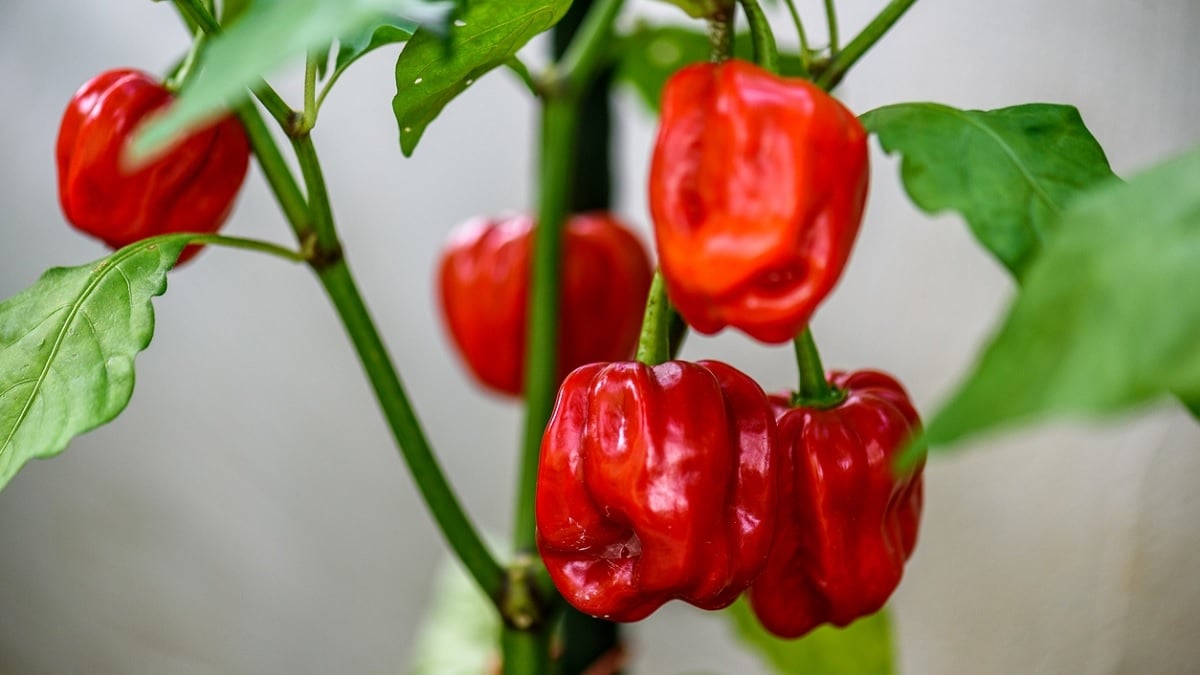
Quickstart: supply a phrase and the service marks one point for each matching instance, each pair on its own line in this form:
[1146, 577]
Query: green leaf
[651, 54]
[461, 630]
[862, 648]
[232, 9]
[1009, 172]
[67, 346]
[432, 70]
[268, 34]
[384, 31]
[1109, 314]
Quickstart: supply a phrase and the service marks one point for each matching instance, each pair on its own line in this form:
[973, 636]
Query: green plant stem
[188, 67]
[815, 391]
[559, 116]
[327, 245]
[525, 652]
[250, 245]
[766, 54]
[439, 496]
[308, 118]
[853, 51]
[832, 22]
[805, 50]
[654, 344]
[279, 177]
[589, 46]
[518, 67]
[720, 35]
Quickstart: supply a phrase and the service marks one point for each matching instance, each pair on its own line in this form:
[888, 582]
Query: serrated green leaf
[432, 69]
[1009, 172]
[651, 54]
[268, 34]
[1108, 316]
[67, 346]
[862, 648]
[461, 630]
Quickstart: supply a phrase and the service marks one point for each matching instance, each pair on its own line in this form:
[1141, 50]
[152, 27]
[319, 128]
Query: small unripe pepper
[191, 188]
[848, 521]
[656, 483]
[483, 282]
[757, 187]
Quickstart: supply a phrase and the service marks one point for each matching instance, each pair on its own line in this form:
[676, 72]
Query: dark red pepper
[484, 289]
[848, 521]
[191, 188]
[757, 187]
[656, 483]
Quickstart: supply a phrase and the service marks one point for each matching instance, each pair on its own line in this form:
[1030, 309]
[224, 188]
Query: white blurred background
[249, 514]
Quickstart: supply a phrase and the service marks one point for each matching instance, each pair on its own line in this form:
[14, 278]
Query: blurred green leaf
[1009, 172]
[1108, 316]
[267, 35]
[651, 54]
[862, 648]
[433, 70]
[384, 31]
[461, 630]
[232, 9]
[67, 346]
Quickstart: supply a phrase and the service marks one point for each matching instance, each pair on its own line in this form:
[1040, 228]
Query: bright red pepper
[191, 188]
[656, 483]
[848, 521]
[484, 289]
[757, 187]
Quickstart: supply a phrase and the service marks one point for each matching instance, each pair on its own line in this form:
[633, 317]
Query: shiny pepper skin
[656, 483]
[191, 188]
[484, 291]
[757, 187]
[848, 522]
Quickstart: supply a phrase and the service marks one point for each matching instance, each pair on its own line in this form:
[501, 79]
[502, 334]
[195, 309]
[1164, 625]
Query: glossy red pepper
[484, 292]
[757, 187]
[656, 483]
[848, 521]
[191, 188]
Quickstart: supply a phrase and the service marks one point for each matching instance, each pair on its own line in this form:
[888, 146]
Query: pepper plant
[642, 479]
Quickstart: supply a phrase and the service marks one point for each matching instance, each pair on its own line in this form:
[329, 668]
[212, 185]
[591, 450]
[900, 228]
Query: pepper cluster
[685, 480]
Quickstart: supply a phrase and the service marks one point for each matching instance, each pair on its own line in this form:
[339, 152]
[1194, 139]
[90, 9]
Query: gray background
[248, 514]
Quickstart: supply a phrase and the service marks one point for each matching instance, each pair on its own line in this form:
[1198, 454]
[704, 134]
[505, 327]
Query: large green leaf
[1108, 316]
[431, 71]
[651, 54]
[268, 34]
[862, 648]
[1009, 172]
[385, 30]
[67, 346]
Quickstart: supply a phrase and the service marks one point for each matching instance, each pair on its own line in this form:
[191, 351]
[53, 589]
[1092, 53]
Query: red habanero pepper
[757, 187]
[191, 188]
[848, 522]
[656, 483]
[484, 292]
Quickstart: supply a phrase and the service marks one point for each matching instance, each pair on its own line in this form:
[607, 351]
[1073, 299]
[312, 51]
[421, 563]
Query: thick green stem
[439, 496]
[815, 391]
[847, 57]
[327, 246]
[279, 177]
[526, 652]
[588, 48]
[766, 54]
[654, 345]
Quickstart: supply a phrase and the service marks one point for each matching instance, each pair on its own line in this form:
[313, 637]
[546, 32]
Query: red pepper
[656, 483]
[484, 288]
[757, 187]
[189, 189]
[848, 522]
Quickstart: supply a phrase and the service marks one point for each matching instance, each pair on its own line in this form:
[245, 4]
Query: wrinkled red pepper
[656, 483]
[484, 293]
[757, 187]
[191, 188]
[848, 521]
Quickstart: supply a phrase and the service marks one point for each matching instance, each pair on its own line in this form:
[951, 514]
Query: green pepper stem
[720, 34]
[844, 59]
[805, 51]
[654, 344]
[815, 390]
[766, 54]
[832, 21]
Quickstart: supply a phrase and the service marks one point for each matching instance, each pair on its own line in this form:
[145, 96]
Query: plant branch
[589, 46]
[805, 50]
[832, 22]
[279, 177]
[766, 54]
[250, 245]
[327, 245]
[847, 57]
